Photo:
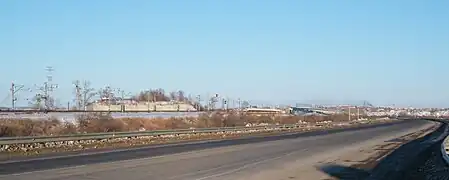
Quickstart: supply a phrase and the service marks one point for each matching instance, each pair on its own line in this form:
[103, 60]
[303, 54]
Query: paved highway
[285, 158]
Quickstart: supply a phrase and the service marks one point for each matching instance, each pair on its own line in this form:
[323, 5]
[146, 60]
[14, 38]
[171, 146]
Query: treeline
[161, 95]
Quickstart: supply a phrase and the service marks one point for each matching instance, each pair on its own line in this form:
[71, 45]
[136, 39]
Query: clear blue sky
[386, 52]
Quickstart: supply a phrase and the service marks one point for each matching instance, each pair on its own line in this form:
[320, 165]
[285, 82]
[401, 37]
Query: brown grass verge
[91, 123]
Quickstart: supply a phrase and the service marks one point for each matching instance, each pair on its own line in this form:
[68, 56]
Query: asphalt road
[276, 159]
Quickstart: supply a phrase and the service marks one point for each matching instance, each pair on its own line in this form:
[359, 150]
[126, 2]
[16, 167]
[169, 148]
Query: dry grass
[90, 123]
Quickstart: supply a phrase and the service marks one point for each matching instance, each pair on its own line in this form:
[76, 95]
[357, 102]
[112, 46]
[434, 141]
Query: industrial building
[141, 106]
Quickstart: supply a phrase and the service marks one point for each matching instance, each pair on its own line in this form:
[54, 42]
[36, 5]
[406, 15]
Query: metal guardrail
[445, 150]
[111, 135]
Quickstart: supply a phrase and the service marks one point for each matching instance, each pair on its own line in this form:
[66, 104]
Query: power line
[14, 90]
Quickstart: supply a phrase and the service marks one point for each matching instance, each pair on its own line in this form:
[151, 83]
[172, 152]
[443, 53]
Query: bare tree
[190, 99]
[143, 96]
[107, 93]
[181, 96]
[88, 93]
[245, 104]
[173, 96]
[159, 95]
[152, 95]
[37, 102]
[50, 102]
[84, 93]
[212, 102]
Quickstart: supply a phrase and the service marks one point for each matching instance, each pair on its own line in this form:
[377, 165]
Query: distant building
[132, 105]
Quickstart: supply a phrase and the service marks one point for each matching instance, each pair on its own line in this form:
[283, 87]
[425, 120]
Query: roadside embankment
[100, 123]
[32, 149]
[104, 122]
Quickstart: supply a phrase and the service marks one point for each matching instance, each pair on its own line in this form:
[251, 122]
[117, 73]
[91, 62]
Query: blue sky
[285, 51]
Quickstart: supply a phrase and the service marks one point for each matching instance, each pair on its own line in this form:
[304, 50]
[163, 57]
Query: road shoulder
[360, 157]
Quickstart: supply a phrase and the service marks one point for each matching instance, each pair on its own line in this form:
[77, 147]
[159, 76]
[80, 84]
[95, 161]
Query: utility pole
[14, 89]
[358, 113]
[227, 104]
[208, 103]
[198, 104]
[223, 103]
[78, 96]
[240, 104]
[122, 100]
[215, 99]
[148, 100]
[349, 113]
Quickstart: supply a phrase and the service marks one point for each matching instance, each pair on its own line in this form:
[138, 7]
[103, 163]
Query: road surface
[293, 158]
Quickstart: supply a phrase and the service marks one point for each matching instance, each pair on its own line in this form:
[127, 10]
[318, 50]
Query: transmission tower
[46, 91]
[49, 87]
